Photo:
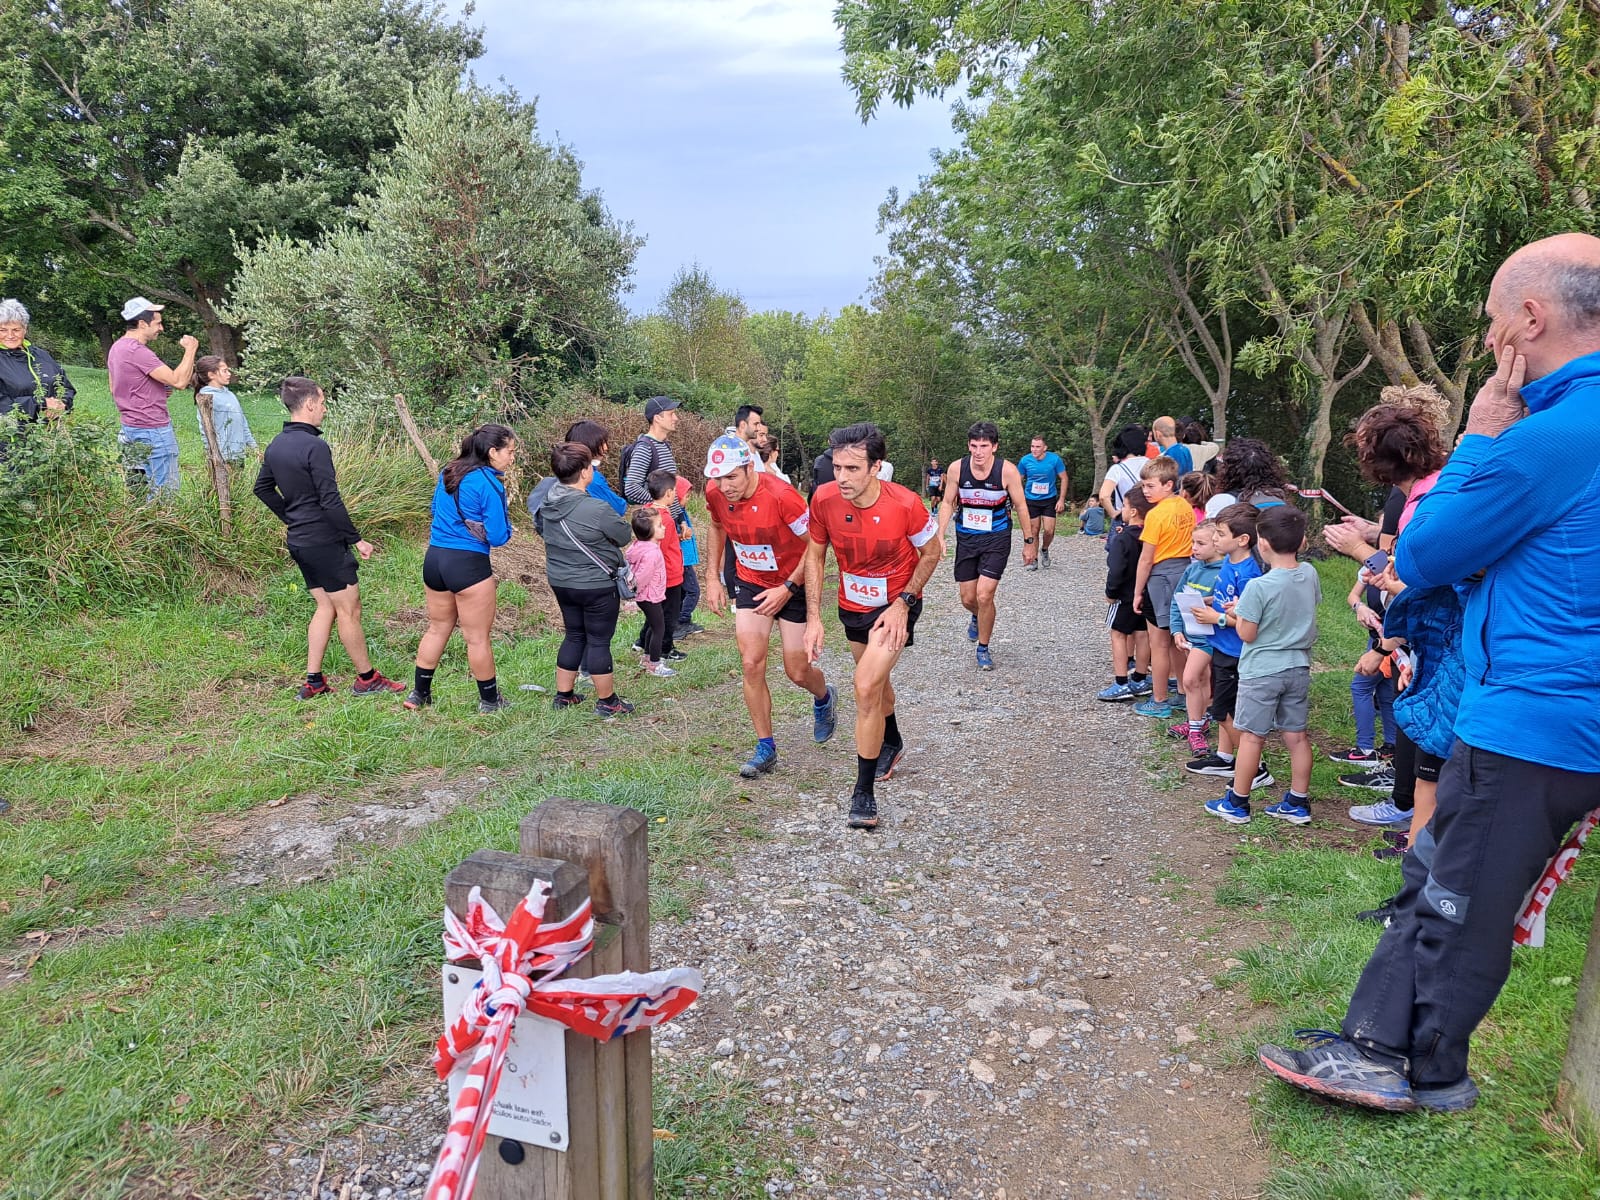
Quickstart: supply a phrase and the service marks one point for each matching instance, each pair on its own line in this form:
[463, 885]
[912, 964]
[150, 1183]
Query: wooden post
[510, 1170]
[219, 468]
[612, 845]
[1580, 1073]
[409, 424]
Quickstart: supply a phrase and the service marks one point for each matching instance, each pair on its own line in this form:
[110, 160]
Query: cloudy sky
[722, 130]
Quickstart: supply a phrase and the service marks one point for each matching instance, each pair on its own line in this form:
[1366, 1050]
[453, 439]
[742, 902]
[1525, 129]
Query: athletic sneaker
[972, 628]
[1159, 709]
[888, 759]
[863, 811]
[985, 659]
[572, 701]
[377, 684]
[1355, 755]
[1044, 558]
[1181, 728]
[674, 655]
[309, 690]
[1379, 780]
[688, 629]
[660, 671]
[1287, 810]
[759, 763]
[1224, 807]
[1386, 751]
[613, 706]
[1197, 741]
[1383, 914]
[824, 717]
[1117, 691]
[1209, 764]
[493, 706]
[1143, 687]
[1382, 813]
[1033, 566]
[1263, 779]
[417, 700]
[1336, 1068]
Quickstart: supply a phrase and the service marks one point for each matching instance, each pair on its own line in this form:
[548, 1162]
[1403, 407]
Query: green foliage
[474, 278]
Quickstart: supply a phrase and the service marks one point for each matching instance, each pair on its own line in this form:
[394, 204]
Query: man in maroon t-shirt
[140, 385]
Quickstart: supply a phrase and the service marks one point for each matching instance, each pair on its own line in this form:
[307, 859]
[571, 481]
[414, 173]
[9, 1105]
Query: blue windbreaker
[1524, 508]
[482, 498]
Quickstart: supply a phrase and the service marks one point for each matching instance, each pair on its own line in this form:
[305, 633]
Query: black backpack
[627, 457]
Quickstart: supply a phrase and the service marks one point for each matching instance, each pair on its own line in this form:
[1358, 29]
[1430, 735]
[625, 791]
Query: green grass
[261, 409]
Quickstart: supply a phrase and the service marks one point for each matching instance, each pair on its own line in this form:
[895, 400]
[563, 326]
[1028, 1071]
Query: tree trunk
[415, 434]
[222, 339]
[219, 468]
[1097, 439]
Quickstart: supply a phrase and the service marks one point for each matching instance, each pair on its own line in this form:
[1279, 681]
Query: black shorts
[1042, 508]
[446, 570]
[793, 611]
[857, 625]
[1125, 620]
[1224, 684]
[983, 554]
[331, 567]
[1427, 766]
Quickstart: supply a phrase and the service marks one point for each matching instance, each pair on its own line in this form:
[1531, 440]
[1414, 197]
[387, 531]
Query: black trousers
[654, 632]
[590, 619]
[1447, 953]
[673, 605]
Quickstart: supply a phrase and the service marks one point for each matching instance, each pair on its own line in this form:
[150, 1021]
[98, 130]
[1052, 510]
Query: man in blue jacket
[1518, 508]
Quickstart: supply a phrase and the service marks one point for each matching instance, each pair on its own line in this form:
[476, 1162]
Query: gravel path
[1004, 992]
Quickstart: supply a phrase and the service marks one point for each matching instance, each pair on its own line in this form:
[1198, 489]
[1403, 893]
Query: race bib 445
[865, 590]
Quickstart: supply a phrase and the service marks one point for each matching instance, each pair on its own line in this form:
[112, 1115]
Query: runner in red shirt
[764, 520]
[887, 546]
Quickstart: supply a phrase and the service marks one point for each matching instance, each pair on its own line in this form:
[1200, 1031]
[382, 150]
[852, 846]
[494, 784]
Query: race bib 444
[756, 558]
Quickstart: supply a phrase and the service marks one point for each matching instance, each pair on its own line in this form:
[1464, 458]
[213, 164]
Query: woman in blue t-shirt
[469, 516]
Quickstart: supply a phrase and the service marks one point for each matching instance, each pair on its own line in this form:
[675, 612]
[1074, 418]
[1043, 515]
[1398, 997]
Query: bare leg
[986, 588]
[1047, 532]
[1247, 763]
[441, 624]
[318, 631]
[1300, 758]
[1141, 652]
[754, 635]
[1196, 684]
[802, 672]
[347, 612]
[476, 607]
[1426, 799]
[1160, 663]
[874, 695]
[1121, 651]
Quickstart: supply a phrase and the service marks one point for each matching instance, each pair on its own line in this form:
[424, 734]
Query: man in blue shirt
[1044, 484]
[1526, 761]
[1165, 431]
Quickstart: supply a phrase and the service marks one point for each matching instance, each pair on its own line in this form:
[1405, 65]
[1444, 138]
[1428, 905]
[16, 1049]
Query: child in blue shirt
[1200, 576]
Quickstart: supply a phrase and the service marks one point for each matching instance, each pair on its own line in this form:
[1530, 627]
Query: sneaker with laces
[1355, 755]
[572, 701]
[1117, 691]
[1044, 558]
[1386, 751]
[1287, 810]
[1197, 742]
[1033, 566]
[1180, 729]
[1383, 914]
[1142, 687]
[498, 704]
[689, 629]
[863, 811]
[1382, 813]
[888, 759]
[613, 706]
[1229, 810]
[1159, 709]
[661, 671]
[759, 763]
[1333, 1067]
[985, 659]
[1378, 780]
[310, 691]
[674, 655]
[1210, 764]
[1263, 779]
[824, 717]
[379, 683]
[972, 628]
[416, 700]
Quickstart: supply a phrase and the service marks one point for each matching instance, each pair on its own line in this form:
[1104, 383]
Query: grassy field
[168, 1020]
[1303, 887]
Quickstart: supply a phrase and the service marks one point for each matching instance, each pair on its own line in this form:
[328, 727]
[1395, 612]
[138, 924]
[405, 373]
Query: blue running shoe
[759, 763]
[972, 628]
[1287, 810]
[1382, 813]
[1455, 1097]
[1153, 708]
[824, 716]
[1226, 807]
[985, 659]
[1117, 691]
[1143, 687]
[1337, 1069]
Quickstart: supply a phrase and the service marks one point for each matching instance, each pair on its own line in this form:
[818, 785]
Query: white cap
[138, 306]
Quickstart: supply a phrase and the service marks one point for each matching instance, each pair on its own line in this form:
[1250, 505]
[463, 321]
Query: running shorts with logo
[1224, 683]
[877, 547]
[330, 566]
[983, 554]
[748, 595]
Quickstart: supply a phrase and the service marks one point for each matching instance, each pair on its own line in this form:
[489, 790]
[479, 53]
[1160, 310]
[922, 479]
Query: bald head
[1545, 300]
[1165, 430]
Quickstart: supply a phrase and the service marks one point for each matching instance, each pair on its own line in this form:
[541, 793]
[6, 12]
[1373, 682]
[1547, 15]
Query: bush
[626, 422]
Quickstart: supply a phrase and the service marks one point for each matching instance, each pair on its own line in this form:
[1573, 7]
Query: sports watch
[910, 598]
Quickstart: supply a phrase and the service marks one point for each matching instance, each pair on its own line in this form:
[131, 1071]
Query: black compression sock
[424, 681]
[568, 694]
[314, 678]
[1121, 679]
[366, 676]
[866, 771]
[489, 689]
[891, 731]
[1136, 676]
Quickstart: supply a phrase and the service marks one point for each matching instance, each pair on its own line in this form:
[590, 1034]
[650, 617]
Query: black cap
[657, 405]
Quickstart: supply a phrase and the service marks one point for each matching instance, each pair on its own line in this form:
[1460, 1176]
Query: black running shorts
[1224, 684]
[746, 595]
[857, 625]
[1042, 508]
[331, 567]
[983, 554]
[447, 570]
[1125, 620]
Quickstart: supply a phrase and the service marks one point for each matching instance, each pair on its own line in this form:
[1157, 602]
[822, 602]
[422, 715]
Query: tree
[147, 143]
[476, 275]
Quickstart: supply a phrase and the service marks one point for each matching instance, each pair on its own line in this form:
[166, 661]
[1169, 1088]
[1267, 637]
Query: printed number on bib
[866, 591]
[978, 520]
[1038, 488]
[756, 558]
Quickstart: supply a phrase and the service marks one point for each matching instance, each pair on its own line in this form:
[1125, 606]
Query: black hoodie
[297, 483]
[27, 375]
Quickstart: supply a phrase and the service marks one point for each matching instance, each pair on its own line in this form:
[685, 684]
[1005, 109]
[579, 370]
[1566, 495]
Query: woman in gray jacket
[583, 541]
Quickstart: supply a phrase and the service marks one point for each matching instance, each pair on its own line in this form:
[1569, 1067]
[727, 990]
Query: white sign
[530, 1105]
[1039, 488]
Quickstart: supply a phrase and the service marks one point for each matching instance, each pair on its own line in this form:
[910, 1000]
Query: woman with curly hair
[1249, 472]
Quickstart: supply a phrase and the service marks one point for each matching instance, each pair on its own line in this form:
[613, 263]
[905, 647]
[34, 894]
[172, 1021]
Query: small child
[1092, 523]
[1236, 539]
[234, 439]
[691, 560]
[650, 584]
[1197, 488]
[1127, 626]
[1372, 689]
[1201, 577]
[1276, 618]
[663, 487]
[1168, 537]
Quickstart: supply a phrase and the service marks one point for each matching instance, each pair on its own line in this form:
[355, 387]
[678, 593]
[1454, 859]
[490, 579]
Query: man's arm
[1061, 491]
[816, 559]
[1147, 560]
[1248, 630]
[182, 375]
[327, 486]
[947, 502]
[633, 485]
[1108, 491]
[930, 553]
[266, 490]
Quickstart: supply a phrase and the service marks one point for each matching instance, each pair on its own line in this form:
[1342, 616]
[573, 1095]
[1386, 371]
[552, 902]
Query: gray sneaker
[1044, 558]
[1333, 1067]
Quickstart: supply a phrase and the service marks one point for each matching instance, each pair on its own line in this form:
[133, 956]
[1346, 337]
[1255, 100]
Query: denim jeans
[1372, 695]
[154, 453]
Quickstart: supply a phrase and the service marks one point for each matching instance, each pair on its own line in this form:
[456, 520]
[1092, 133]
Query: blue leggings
[1372, 696]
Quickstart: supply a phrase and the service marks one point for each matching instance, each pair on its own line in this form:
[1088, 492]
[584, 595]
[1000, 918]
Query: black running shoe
[418, 700]
[572, 701]
[674, 655]
[888, 758]
[492, 706]
[1383, 914]
[613, 706]
[863, 811]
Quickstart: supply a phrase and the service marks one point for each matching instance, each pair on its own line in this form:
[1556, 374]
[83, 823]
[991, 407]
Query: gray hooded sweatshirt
[595, 524]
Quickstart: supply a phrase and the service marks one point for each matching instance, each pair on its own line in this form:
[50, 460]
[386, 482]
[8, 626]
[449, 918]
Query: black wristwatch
[1027, 541]
[910, 598]
[794, 588]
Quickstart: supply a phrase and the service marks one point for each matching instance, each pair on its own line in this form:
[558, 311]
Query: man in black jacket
[297, 483]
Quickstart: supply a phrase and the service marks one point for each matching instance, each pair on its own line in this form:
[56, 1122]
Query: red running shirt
[768, 531]
[877, 547]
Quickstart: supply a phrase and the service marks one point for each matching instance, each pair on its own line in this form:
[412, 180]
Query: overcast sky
[722, 130]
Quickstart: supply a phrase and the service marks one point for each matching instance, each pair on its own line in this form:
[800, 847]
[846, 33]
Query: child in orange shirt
[1168, 537]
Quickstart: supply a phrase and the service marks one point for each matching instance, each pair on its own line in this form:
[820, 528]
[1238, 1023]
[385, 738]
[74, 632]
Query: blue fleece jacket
[1524, 508]
[482, 498]
[601, 490]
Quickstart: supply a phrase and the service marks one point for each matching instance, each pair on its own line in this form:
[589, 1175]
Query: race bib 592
[979, 520]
